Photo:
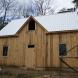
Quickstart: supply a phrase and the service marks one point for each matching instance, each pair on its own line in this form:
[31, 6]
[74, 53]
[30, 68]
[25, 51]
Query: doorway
[30, 57]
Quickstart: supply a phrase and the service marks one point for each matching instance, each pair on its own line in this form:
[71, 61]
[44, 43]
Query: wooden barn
[40, 42]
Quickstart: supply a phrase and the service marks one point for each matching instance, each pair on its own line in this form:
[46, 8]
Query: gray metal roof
[56, 22]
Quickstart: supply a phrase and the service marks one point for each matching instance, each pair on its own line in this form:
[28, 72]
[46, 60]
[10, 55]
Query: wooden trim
[65, 31]
[7, 36]
[67, 57]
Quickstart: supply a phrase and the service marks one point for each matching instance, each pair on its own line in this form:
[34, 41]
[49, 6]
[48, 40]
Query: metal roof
[56, 22]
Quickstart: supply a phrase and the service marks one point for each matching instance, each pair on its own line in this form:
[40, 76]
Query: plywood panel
[48, 51]
[71, 62]
[30, 58]
[55, 50]
[73, 44]
[68, 44]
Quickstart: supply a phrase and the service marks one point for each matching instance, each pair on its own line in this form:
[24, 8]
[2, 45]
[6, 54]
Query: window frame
[31, 46]
[62, 47]
[31, 26]
[5, 51]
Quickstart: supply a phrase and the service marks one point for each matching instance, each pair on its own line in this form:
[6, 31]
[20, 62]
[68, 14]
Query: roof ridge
[54, 14]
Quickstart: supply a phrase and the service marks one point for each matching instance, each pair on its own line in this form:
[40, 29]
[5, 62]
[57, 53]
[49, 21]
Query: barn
[40, 42]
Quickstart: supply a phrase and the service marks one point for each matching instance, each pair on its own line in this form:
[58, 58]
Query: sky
[65, 3]
[58, 3]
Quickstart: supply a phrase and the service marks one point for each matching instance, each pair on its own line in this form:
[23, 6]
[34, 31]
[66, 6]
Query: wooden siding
[45, 52]
[68, 38]
[19, 51]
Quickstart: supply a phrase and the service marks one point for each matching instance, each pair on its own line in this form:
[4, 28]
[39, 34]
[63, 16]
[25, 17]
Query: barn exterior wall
[71, 41]
[46, 48]
[18, 48]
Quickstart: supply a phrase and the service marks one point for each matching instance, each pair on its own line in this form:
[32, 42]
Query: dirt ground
[15, 72]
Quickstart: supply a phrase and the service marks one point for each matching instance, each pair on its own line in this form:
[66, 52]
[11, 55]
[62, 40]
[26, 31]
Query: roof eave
[7, 36]
[64, 31]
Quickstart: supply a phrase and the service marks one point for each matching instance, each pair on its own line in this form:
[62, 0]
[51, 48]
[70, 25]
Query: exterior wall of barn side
[46, 48]
[18, 52]
[71, 41]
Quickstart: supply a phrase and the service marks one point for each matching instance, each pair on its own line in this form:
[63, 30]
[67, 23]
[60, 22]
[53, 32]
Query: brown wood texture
[46, 48]
[18, 52]
[71, 40]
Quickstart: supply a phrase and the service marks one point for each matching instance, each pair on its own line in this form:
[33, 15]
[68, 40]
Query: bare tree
[43, 7]
[24, 11]
[5, 8]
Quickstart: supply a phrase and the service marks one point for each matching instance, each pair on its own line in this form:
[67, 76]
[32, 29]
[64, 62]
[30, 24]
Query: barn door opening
[30, 56]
